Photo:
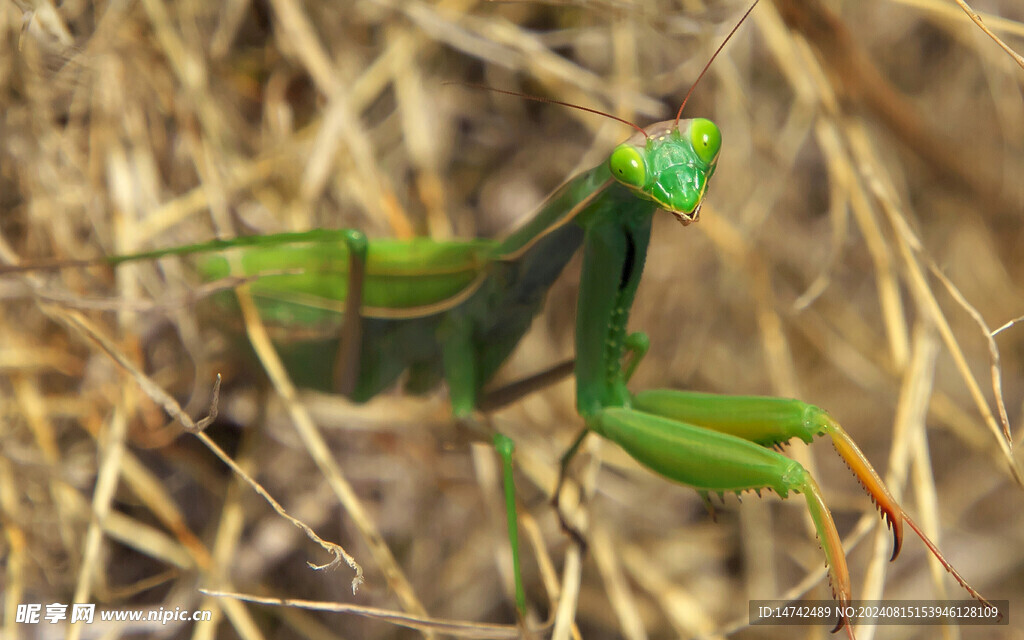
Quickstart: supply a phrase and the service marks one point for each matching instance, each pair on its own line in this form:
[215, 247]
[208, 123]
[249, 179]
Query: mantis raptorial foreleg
[712, 461]
[720, 443]
[772, 422]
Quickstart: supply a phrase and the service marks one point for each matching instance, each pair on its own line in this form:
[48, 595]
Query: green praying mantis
[454, 311]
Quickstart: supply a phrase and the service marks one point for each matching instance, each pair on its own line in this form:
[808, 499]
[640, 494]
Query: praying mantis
[454, 321]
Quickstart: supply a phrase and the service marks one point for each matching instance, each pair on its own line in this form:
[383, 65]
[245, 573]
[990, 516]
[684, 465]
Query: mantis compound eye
[706, 139]
[627, 165]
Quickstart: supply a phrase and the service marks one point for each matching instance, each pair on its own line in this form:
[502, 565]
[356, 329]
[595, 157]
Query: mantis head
[670, 165]
[672, 162]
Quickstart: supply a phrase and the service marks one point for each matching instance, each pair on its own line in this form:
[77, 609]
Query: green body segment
[613, 260]
[307, 282]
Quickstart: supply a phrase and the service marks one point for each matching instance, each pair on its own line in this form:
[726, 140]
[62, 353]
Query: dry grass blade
[196, 427]
[869, 187]
[976, 19]
[453, 628]
[909, 245]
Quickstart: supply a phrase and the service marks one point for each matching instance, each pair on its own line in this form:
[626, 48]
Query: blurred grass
[849, 129]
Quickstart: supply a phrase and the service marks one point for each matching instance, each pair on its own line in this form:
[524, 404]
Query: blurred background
[861, 239]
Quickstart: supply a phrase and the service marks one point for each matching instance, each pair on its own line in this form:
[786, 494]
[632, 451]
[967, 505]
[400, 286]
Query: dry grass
[853, 166]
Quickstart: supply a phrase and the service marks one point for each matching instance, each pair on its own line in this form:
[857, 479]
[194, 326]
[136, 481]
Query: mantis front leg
[771, 422]
[710, 460]
[715, 461]
[719, 443]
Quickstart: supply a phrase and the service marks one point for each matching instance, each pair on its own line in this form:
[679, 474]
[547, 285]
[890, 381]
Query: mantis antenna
[527, 96]
[679, 113]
